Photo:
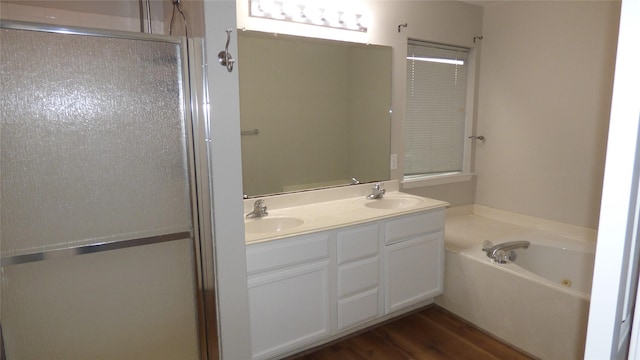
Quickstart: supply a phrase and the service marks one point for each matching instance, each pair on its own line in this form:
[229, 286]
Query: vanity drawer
[357, 243]
[412, 225]
[358, 308]
[358, 276]
[286, 252]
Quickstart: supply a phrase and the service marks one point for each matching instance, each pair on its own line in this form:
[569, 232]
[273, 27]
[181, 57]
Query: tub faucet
[259, 210]
[377, 191]
[503, 253]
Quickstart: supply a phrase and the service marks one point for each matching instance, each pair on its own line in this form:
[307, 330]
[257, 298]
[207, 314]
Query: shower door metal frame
[205, 251]
[197, 135]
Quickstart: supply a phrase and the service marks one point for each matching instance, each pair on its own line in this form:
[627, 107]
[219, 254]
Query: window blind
[435, 113]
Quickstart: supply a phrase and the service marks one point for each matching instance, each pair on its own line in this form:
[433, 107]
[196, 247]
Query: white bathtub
[551, 260]
[539, 303]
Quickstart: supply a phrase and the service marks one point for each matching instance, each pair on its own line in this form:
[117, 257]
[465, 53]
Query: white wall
[544, 98]
[121, 15]
[614, 297]
[226, 176]
[70, 14]
[449, 22]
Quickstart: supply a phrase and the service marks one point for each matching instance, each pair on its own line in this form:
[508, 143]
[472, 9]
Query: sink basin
[271, 224]
[389, 203]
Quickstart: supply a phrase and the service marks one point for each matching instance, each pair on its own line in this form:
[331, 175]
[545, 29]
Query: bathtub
[551, 260]
[539, 303]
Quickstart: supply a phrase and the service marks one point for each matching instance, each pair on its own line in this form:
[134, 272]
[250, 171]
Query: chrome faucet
[377, 191]
[505, 252]
[259, 210]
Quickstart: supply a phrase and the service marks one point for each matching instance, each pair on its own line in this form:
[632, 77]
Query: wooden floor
[432, 333]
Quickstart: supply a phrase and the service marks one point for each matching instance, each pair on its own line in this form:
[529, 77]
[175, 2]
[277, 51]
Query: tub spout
[502, 252]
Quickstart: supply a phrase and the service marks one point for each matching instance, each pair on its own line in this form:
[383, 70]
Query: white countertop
[318, 215]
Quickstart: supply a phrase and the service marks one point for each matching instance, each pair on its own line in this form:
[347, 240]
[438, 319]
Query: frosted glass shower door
[96, 229]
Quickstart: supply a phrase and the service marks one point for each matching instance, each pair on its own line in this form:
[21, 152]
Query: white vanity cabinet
[306, 289]
[288, 293]
[414, 259]
[358, 276]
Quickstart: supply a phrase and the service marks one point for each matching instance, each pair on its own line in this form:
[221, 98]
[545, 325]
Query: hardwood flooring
[432, 333]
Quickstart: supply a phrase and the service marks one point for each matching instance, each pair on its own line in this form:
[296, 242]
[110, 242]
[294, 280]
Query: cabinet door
[289, 309]
[413, 271]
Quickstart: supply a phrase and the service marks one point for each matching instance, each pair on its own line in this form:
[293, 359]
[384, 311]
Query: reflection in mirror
[314, 113]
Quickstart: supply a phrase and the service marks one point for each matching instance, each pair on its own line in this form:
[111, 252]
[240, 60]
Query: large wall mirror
[314, 113]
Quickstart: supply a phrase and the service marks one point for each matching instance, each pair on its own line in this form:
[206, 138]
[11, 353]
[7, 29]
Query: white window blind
[435, 115]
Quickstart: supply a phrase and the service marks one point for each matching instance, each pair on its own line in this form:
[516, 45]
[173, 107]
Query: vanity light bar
[437, 60]
[307, 13]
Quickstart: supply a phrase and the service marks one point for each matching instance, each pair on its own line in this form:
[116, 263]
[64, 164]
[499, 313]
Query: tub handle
[505, 251]
[504, 257]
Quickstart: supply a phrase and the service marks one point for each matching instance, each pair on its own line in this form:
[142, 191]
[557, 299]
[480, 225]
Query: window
[435, 122]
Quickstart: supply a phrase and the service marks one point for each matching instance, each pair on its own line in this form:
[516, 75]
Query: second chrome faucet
[377, 191]
[259, 210]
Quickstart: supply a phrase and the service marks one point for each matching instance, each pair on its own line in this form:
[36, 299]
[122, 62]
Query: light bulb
[348, 20]
[363, 22]
[268, 7]
[313, 14]
[292, 11]
[255, 8]
[331, 17]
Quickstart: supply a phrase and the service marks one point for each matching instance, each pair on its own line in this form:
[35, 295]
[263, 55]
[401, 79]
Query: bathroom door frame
[612, 332]
[196, 123]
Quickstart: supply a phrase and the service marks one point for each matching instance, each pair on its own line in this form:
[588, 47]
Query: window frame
[466, 174]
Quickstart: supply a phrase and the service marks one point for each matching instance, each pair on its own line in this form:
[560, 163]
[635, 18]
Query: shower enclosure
[105, 233]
